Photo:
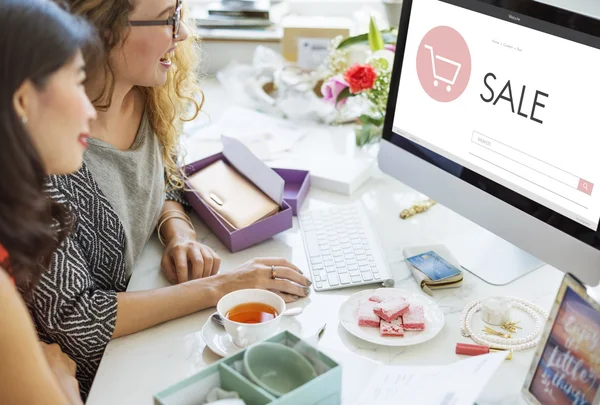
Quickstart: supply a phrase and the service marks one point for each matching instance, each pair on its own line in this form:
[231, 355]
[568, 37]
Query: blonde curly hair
[167, 106]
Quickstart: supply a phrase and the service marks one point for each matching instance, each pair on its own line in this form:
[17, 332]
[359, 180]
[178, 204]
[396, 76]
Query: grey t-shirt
[133, 182]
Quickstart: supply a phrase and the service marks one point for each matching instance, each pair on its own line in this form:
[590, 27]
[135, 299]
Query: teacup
[277, 368]
[246, 334]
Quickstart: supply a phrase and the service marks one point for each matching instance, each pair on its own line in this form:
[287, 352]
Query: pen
[475, 350]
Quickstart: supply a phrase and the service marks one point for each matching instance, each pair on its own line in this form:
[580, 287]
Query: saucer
[219, 341]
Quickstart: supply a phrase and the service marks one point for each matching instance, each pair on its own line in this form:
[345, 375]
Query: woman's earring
[24, 120]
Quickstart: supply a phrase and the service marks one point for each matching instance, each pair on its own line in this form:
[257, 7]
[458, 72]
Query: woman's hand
[187, 259]
[257, 273]
[64, 370]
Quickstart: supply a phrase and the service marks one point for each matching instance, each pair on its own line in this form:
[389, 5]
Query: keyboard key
[334, 279]
[319, 285]
[316, 259]
[338, 254]
[377, 276]
[344, 279]
[361, 263]
[367, 276]
[356, 279]
[342, 270]
[361, 256]
[354, 273]
[364, 269]
[318, 266]
[331, 269]
[312, 244]
[328, 263]
[323, 275]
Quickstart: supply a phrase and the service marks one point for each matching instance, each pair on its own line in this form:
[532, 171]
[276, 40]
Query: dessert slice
[393, 328]
[391, 309]
[376, 298]
[414, 318]
[366, 316]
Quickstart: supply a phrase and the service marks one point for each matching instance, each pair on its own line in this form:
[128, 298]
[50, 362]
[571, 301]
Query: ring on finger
[273, 272]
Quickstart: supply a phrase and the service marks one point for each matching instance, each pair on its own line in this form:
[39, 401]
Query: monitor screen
[504, 100]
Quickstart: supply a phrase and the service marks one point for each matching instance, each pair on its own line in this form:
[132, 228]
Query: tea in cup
[251, 315]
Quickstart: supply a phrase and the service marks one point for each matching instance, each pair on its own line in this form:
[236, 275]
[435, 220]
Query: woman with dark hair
[44, 124]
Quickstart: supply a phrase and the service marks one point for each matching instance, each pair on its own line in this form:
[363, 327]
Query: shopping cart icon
[434, 58]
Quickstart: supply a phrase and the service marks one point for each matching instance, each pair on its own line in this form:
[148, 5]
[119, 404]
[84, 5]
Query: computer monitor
[493, 111]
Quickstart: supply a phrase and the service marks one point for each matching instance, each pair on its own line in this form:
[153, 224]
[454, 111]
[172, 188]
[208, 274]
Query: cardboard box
[292, 185]
[323, 390]
[312, 32]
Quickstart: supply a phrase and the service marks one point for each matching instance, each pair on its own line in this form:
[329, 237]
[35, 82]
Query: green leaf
[368, 133]
[375, 39]
[389, 36]
[344, 94]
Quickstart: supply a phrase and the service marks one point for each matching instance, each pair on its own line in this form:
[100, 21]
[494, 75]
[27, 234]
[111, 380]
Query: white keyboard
[342, 248]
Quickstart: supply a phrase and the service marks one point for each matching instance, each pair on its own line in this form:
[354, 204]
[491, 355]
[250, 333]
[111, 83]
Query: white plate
[219, 341]
[434, 318]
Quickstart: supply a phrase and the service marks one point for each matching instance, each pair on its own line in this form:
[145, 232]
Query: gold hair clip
[490, 331]
[511, 326]
[417, 209]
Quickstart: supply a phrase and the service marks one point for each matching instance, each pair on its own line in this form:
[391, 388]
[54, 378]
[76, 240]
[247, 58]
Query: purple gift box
[297, 184]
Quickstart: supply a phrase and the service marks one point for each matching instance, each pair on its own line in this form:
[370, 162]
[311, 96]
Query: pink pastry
[391, 309]
[366, 316]
[393, 328]
[414, 319]
[376, 298]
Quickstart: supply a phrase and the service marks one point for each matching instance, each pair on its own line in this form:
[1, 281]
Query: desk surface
[137, 366]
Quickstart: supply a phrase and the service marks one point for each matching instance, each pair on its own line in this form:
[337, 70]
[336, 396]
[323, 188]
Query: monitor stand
[490, 257]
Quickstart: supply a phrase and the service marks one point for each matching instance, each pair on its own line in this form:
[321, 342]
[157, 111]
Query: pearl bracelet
[536, 312]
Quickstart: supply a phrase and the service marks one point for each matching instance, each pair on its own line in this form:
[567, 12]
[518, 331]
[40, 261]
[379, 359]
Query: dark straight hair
[37, 38]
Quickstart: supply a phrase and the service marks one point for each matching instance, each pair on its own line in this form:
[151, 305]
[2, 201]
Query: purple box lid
[297, 184]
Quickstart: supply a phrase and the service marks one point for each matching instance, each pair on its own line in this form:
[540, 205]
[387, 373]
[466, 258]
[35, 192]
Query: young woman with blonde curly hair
[129, 183]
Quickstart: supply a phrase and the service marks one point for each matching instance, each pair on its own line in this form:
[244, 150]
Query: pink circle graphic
[444, 64]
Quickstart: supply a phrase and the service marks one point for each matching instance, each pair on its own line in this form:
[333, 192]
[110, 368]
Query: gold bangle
[169, 211]
[189, 222]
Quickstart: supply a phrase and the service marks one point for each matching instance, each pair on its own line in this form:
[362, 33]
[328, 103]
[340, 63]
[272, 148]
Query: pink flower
[332, 89]
[390, 47]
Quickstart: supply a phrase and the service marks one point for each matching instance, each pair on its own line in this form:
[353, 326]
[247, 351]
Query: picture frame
[566, 366]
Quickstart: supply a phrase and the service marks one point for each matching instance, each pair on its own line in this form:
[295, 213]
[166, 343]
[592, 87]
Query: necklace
[515, 344]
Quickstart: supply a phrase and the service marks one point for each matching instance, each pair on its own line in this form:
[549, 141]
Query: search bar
[543, 168]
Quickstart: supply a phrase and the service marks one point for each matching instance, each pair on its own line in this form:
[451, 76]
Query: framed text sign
[566, 367]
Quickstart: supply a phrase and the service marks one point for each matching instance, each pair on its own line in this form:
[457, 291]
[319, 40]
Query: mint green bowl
[277, 368]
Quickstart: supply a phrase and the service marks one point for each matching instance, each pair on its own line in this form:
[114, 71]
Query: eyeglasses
[174, 20]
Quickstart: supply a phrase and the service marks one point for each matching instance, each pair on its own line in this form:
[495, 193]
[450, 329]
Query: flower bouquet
[361, 67]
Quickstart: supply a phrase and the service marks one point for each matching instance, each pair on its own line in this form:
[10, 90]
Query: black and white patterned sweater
[75, 304]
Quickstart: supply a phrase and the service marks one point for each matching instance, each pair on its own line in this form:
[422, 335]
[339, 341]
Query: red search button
[585, 186]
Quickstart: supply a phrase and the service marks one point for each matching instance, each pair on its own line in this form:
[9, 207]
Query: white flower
[384, 55]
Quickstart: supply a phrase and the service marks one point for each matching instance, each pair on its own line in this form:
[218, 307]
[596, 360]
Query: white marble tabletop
[136, 367]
